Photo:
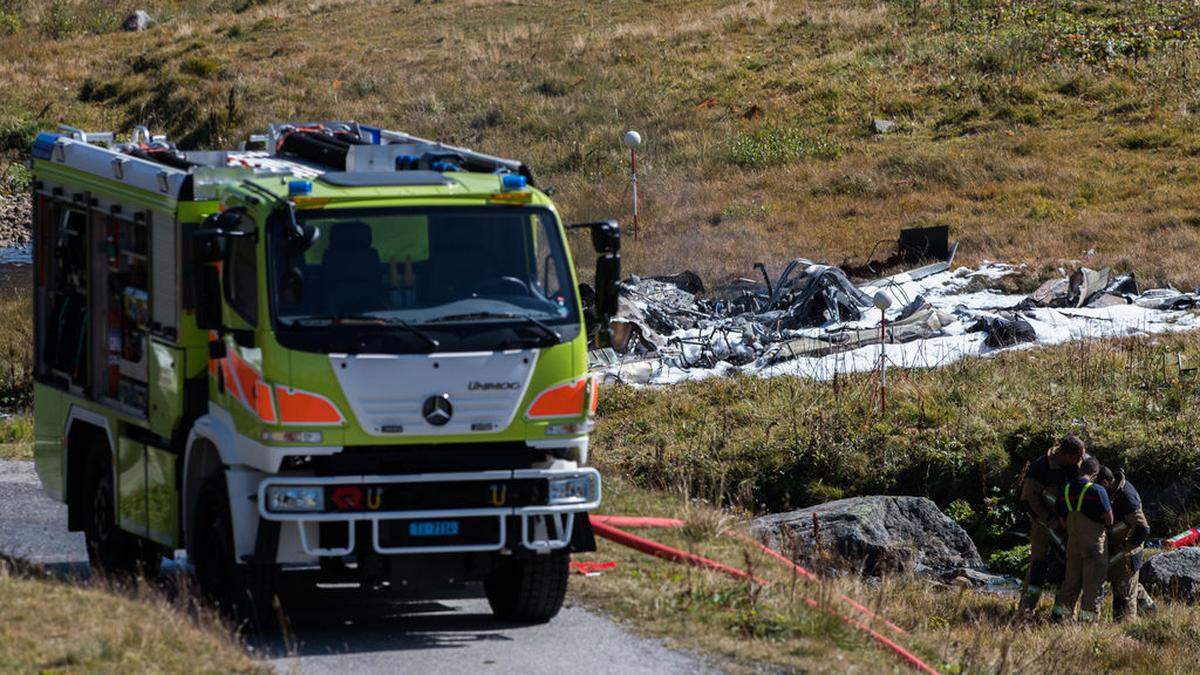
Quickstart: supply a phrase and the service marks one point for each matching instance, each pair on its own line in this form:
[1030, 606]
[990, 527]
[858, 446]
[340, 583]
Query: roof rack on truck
[332, 149]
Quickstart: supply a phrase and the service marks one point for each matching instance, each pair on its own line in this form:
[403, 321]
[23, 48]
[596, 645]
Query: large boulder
[1174, 573]
[876, 534]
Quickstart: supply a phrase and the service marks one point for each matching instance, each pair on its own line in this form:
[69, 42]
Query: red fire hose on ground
[608, 528]
[666, 552]
[640, 521]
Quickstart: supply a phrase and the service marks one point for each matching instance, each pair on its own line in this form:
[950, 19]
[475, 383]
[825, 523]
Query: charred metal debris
[811, 310]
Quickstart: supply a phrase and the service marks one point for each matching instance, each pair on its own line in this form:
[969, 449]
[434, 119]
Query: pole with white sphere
[882, 302]
[632, 140]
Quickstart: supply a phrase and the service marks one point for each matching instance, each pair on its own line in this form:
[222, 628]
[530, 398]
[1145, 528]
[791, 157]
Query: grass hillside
[48, 626]
[1040, 130]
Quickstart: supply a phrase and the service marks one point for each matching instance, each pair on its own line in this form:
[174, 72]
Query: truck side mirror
[606, 239]
[608, 273]
[606, 235]
[210, 239]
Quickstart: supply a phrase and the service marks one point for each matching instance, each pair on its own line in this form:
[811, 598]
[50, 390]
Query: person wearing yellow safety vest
[1040, 489]
[1125, 538]
[1086, 512]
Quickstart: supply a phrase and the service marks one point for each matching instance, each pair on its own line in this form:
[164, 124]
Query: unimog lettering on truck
[349, 351]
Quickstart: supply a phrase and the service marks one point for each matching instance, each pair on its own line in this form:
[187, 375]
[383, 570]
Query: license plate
[433, 528]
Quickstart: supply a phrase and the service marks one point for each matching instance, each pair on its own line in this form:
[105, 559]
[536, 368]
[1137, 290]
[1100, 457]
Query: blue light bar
[43, 145]
[299, 188]
[511, 182]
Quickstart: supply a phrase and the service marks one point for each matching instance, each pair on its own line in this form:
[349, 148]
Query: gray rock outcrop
[1174, 573]
[877, 534]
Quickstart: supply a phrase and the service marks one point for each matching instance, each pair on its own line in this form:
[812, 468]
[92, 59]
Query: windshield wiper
[339, 318]
[538, 325]
[379, 320]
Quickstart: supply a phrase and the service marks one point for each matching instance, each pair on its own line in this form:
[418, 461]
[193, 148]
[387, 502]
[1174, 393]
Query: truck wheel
[112, 550]
[528, 589]
[230, 585]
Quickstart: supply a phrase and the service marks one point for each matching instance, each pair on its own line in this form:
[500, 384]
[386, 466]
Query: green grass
[16, 437]
[958, 433]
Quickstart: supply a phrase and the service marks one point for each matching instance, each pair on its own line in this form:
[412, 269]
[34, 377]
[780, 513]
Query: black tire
[528, 590]
[111, 550]
[244, 594]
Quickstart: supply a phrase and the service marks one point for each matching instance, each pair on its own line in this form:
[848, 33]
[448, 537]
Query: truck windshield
[447, 272]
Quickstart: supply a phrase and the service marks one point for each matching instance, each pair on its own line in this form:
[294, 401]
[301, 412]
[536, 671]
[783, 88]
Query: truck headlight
[570, 428]
[278, 436]
[295, 498]
[575, 490]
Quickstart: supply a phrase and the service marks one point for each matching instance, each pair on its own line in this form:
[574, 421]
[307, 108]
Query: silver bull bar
[543, 527]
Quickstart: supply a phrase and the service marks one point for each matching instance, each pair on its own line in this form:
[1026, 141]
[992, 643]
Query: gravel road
[330, 635]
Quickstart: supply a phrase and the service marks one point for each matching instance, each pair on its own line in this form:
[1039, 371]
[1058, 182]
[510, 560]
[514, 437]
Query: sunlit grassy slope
[49, 626]
[1040, 131]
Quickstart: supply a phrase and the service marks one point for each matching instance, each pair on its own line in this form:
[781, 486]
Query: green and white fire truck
[338, 349]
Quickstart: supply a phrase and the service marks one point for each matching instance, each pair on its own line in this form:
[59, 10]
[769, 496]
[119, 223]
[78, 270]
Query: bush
[16, 133]
[200, 66]
[1010, 561]
[10, 23]
[1147, 139]
[774, 146]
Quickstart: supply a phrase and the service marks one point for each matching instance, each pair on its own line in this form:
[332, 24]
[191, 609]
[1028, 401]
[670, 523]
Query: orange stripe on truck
[301, 407]
[564, 400]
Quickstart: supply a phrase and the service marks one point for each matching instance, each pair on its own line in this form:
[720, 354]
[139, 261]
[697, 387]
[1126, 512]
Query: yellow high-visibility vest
[1078, 502]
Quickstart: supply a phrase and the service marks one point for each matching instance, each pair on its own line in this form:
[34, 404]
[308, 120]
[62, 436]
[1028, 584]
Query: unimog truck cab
[338, 350]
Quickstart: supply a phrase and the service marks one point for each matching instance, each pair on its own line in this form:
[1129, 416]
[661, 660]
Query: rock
[15, 218]
[876, 534]
[137, 22]
[883, 126]
[1175, 573]
[967, 577]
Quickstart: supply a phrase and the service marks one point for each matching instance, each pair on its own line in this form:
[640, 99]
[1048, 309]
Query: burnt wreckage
[671, 328]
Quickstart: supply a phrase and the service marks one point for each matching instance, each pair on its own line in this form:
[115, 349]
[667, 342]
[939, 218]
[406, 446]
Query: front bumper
[544, 526]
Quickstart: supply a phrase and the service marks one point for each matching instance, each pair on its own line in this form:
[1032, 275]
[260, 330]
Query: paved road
[330, 636]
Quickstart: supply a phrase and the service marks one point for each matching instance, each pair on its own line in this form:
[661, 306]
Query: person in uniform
[1043, 483]
[1086, 512]
[1125, 539]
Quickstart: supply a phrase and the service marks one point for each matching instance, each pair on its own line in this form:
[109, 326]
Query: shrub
[16, 133]
[775, 145]
[1010, 561]
[200, 66]
[10, 23]
[1147, 139]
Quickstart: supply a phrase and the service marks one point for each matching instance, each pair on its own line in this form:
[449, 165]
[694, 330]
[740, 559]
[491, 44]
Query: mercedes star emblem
[437, 409]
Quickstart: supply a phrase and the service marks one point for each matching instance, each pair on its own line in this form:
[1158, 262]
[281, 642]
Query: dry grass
[1021, 126]
[953, 629]
[51, 626]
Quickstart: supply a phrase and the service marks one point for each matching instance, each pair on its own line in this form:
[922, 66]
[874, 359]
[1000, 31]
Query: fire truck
[337, 350]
